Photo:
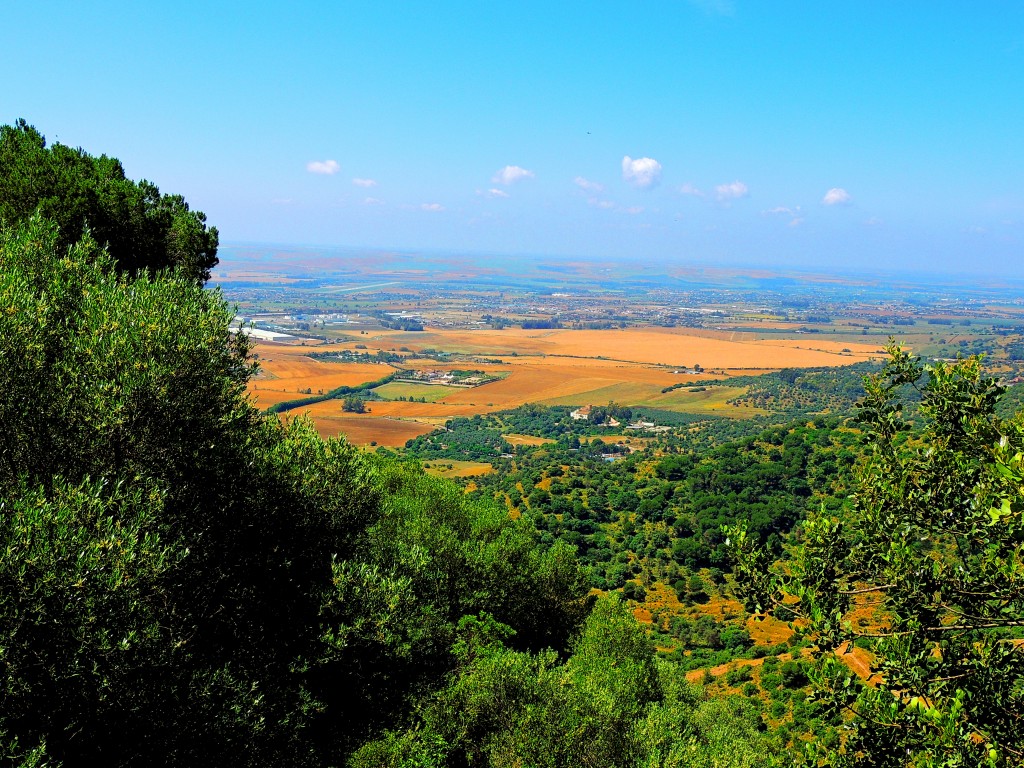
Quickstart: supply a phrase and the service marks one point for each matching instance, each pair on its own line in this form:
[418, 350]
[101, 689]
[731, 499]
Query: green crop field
[710, 401]
[431, 393]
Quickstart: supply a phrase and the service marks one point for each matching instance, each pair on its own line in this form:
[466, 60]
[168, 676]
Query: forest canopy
[138, 226]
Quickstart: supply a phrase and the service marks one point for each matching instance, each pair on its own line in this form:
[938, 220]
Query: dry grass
[455, 468]
[526, 440]
[768, 631]
[364, 430]
[712, 401]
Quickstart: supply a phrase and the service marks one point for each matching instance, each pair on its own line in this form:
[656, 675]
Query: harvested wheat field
[530, 440]
[663, 346]
[452, 468]
[536, 380]
[435, 413]
[361, 429]
[286, 372]
[552, 367]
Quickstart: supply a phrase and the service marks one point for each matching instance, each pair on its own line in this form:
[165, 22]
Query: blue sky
[863, 135]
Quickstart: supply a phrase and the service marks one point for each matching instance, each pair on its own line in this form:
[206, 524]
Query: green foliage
[353, 404]
[634, 591]
[738, 675]
[139, 227]
[793, 674]
[936, 540]
[810, 390]
[184, 580]
[462, 438]
[609, 704]
[622, 518]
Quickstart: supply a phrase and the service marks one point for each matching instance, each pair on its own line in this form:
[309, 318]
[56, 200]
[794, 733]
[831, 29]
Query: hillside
[187, 580]
[726, 568]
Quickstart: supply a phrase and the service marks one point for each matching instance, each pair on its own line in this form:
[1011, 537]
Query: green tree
[353, 404]
[611, 703]
[936, 541]
[140, 228]
[184, 580]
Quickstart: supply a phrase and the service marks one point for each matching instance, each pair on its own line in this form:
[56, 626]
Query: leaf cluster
[140, 228]
[934, 549]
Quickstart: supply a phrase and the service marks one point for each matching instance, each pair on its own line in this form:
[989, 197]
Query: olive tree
[935, 546]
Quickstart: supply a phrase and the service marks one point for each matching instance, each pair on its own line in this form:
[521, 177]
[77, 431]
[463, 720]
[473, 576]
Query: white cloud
[323, 167]
[635, 209]
[689, 189]
[586, 184]
[644, 172]
[603, 204]
[433, 207]
[365, 183]
[372, 201]
[733, 191]
[510, 174]
[795, 214]
[836, 196]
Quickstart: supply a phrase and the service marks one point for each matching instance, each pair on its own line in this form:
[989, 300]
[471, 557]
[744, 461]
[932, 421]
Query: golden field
[286, 372]
[551, 367]
[531, 440]
[365, 430]
[453, 468]
[718, 350]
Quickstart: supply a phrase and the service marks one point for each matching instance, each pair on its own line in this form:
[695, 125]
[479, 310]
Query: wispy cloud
[795, 215]
[606, 205]
[731, 191]
[372, 201]
[633, 210]
[643, 172]
[836, 196]
[365, 183]
[689, 189]
[510, 174]
[588, 185]
[494, 192]
[323, 167]
[432, 207]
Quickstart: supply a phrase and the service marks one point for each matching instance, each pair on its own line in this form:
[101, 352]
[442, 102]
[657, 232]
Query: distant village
[587, 413]
[465, 379]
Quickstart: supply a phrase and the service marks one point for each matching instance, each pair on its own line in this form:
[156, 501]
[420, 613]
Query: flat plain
[574, 333]
[555, 367]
